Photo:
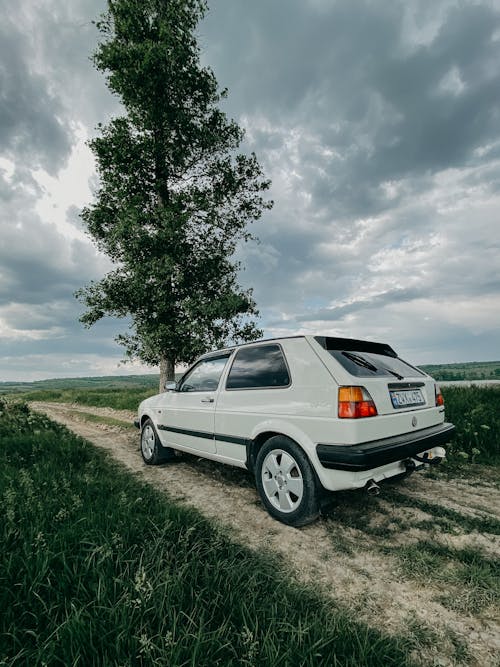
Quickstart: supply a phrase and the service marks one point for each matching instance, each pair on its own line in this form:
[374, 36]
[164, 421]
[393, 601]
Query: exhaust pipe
[372, 489]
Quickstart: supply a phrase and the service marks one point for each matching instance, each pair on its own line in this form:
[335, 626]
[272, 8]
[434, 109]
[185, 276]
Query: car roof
[349, 343]
[223, 350]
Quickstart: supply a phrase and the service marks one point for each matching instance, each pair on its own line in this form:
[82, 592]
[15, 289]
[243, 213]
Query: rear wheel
[286, 482]
[151, 448]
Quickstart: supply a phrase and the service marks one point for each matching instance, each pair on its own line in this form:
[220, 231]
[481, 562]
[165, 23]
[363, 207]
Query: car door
[187, 417]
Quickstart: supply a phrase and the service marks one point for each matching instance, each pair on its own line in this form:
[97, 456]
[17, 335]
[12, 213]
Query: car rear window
[263, 366]
[367, 359]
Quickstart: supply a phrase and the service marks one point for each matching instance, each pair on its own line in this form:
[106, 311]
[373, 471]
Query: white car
[304, 414]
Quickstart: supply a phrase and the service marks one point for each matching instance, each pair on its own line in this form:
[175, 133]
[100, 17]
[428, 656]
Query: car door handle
[207, 400]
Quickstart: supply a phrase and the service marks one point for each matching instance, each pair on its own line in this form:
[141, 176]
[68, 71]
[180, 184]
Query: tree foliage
[175, 198]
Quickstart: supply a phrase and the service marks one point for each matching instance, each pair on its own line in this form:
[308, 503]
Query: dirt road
[418, 561]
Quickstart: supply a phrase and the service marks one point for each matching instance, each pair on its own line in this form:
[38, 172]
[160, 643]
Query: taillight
[355, 402]
[439, 396]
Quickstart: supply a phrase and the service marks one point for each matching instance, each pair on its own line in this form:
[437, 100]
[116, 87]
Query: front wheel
[151, 447]
[286, 482]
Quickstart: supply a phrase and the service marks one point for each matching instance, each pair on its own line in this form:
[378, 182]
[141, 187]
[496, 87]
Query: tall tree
[175, 197]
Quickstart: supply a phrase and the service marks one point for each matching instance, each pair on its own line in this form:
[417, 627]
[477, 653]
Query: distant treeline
[484, 370]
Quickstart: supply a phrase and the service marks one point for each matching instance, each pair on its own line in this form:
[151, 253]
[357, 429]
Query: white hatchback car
[304, 414]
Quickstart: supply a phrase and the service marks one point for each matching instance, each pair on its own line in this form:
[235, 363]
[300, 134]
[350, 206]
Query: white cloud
[68, 188]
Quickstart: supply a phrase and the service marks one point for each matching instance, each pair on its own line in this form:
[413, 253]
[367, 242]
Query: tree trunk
[167, 371]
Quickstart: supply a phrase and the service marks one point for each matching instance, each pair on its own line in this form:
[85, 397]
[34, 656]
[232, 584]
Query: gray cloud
[31, 127]
[37, 262]
[345, 79]
[376, 301]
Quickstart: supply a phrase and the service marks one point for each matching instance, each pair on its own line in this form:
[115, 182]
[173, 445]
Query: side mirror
[170, 386]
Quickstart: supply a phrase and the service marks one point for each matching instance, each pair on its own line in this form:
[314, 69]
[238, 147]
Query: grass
[98, 568]
[475, 411]
[474, 577]
[118, 399]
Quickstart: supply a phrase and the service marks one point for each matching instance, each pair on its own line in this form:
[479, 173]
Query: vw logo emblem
[414, 421]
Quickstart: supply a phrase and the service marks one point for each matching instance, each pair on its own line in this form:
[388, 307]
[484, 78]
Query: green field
[61, 384]
[475, 370]
[99, 568]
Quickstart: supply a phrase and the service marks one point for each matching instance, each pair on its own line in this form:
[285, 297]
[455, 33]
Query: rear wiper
[360, 361]
[397, 375]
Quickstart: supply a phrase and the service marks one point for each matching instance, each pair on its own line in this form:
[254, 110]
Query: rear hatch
[395, 386]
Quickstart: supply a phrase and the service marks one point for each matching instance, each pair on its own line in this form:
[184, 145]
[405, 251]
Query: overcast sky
[378, 123]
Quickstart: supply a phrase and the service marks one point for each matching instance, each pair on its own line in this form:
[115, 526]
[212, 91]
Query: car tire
[286, 482]
[152, 450]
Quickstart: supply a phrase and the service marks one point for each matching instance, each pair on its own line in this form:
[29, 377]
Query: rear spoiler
[353, 345]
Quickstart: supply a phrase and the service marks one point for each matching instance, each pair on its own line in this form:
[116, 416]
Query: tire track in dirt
[367, 581]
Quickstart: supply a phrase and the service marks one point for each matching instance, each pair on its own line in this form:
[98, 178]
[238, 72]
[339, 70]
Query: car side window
[262, 366]
[205, 375]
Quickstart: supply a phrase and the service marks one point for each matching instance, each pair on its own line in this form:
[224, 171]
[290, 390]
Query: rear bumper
[377, 453]
[137, 423]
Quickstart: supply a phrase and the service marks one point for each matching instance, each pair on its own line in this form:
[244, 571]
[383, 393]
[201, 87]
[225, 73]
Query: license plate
[407, 398]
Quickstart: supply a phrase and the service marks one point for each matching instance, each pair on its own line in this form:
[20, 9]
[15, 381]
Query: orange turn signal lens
[355, 403]
[351, 394]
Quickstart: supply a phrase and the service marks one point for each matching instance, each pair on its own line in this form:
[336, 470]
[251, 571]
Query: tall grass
[98, 568]
[475, 411]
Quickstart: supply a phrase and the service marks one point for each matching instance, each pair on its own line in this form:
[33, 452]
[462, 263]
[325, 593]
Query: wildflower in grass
[142, 586]
[61, 514]
[143, 590]
[117, 541]
[145, 645]
[27, 485]
[40, 543]
[9, 501]
[250, 644]
[76, 501]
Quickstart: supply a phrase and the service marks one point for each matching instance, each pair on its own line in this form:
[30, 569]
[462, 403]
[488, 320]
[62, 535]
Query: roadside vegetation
[475, 411]
[438, 532]
[96, 563]
[118, 399]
